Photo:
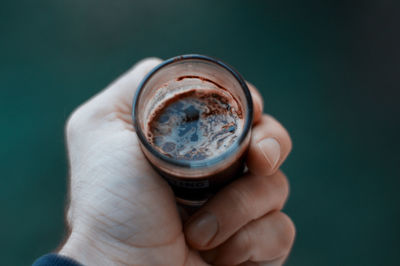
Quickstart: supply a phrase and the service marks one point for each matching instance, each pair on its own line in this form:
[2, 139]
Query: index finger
[270, 145]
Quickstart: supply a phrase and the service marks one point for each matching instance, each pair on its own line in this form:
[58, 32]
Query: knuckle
[275, 190]
[244, 241]
[242, 198]
[281, 187]
[286, 235]
[286, 140]
[289, 141]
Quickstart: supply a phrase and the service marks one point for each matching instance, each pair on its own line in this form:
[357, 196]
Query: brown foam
[195, 124]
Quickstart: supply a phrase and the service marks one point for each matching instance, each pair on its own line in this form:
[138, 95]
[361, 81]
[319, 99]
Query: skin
[121, 212]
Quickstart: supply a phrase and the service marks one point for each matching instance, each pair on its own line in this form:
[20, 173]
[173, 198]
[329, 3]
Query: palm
[129, 202]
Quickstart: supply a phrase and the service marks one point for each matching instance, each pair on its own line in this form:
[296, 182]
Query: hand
[121, 212]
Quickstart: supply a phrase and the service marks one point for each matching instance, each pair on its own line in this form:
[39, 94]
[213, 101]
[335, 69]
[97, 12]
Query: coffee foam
[195, 124]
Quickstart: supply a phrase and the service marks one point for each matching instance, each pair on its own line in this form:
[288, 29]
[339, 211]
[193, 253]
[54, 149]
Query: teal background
[328, 70]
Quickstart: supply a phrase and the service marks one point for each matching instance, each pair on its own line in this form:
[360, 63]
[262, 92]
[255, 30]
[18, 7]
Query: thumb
[121, 91]
[118, 96]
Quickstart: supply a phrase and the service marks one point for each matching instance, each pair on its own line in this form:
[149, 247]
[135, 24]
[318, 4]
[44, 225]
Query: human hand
[121, 212]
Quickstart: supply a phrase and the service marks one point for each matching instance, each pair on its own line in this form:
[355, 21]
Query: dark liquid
[195, 125]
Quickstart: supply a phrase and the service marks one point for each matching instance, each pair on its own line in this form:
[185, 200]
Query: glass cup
[194, 181]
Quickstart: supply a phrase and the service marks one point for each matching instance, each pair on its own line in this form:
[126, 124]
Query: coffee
[195, 125]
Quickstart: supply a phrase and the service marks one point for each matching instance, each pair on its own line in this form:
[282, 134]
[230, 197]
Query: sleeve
[53, 259]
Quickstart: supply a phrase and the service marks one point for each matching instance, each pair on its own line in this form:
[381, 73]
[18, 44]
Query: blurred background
[328, 70]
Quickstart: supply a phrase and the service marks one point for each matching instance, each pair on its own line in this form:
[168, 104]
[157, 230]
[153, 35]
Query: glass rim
[201, 163]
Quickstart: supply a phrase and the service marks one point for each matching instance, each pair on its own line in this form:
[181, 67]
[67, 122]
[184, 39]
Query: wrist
[88, 251]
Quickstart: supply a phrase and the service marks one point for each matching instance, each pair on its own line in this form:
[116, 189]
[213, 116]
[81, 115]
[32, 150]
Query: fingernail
[202, 229]
[271, 150]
